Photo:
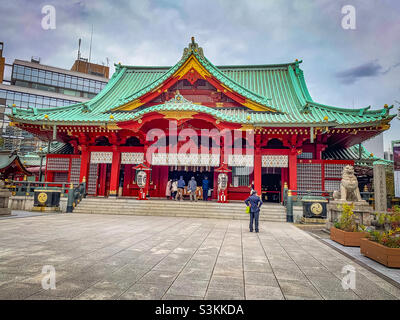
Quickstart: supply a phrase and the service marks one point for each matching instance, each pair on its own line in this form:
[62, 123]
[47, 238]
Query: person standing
[192, 186]
[206, 187]
[255, 203]
[181, 186]
[168, 189]
[174, 189]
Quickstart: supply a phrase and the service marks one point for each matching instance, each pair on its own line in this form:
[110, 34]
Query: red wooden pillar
[115, 168]
[257, 164]
[318, 151]
[293, 169]
[101, 179]
[85, 156]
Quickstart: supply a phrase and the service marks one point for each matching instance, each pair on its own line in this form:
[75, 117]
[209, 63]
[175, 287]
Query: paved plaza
[149, 257]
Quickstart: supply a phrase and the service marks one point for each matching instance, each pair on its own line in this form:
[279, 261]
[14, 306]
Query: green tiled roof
[353, 153]
[280, 87]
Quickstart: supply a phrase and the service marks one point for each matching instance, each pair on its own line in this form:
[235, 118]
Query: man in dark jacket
[181, 186]
[206, 187]
[255, 203]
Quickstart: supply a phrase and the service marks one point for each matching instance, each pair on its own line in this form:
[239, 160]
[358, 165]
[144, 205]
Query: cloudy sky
[343, 67]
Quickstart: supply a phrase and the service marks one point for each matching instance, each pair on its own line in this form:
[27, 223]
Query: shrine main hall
[257, 124]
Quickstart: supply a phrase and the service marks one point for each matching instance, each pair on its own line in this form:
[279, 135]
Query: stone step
[185, 214]
[160, 207]
[193, 211]
[173, 203]
[154, 202]
[169, 208]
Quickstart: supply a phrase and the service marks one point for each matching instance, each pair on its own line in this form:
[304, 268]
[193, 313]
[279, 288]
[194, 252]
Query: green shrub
[347, 220]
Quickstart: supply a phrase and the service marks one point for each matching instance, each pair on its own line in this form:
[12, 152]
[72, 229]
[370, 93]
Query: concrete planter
[389, 257]
[348, 239]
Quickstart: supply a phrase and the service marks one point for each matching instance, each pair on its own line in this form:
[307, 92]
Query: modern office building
[35, 85]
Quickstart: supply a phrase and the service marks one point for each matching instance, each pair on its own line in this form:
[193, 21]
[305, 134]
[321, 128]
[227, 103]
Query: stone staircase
[170, 208]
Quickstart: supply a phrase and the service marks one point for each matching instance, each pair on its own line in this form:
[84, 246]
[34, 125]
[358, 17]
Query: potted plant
[346, 230]
[383, 246]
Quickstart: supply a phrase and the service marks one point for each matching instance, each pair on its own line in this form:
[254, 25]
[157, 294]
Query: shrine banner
[396, 161]
[396, 156]
[397, 184]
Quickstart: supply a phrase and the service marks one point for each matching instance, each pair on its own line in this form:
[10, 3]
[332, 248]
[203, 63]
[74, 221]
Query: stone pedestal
[5, 195]
[362, 210]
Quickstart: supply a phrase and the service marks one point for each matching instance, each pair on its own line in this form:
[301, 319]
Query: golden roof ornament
[178, 98]
[193, 47]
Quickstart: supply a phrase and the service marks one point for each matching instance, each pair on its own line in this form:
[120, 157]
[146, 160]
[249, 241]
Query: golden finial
[111, 117]
[46, 116]
[386, 106]
[289, 193]
[326, 118]
[248, 118]
[285, 185]
[371, 155]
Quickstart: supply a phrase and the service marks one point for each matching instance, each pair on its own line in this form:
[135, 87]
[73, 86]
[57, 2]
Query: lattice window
[75, 170]
[92, 179]
[61, 177]
[334, 170]
[274, 161]
[241, 176]
[332, 185]
[183, 159]
[58, 164]
[309, 176]
[132, 157]
[101, 157]
[240, 160]
[305, 155]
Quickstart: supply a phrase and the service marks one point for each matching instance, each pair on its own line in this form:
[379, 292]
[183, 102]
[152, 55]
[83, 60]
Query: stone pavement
[148, 257]
[24, 214]
[354, 252]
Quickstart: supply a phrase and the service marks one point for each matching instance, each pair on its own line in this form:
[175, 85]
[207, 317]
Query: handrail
[27, 188]
[75, 195]
[299, 194]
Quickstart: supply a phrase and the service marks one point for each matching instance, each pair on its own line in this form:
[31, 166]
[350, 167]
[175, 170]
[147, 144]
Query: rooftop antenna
[79, 51]
[90, 48]
[79, 48]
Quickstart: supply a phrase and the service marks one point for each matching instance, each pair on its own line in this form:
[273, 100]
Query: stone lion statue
[348, 186]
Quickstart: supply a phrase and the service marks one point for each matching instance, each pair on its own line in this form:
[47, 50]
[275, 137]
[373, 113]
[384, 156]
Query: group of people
[175, 188]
